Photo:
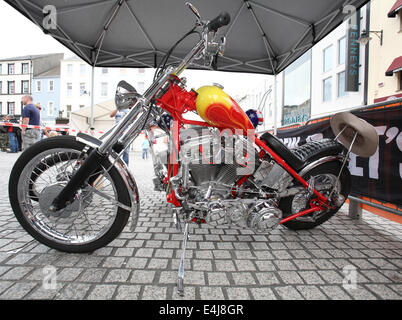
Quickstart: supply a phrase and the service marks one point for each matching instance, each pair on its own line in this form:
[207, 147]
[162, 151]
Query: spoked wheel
[325, 177]
[97, 215]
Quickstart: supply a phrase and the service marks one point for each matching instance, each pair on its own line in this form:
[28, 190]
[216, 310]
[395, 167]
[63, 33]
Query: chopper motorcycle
[75, 194]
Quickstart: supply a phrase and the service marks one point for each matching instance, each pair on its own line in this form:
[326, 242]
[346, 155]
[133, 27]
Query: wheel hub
[46, 198]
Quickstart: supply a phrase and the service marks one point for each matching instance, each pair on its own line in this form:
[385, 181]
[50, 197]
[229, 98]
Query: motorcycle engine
[212, 164]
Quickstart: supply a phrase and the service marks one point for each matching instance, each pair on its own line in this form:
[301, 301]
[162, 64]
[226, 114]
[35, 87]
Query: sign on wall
[353, 53]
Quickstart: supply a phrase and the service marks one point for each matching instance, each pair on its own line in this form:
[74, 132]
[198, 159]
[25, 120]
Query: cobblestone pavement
[221, 264]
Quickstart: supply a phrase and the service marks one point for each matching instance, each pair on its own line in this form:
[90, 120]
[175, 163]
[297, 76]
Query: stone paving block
[118, 275]
[335, 292]
[311, 277]
[290, 277]
[93, 275]
[236, 293]
[263, 293]
[18, 290]
[217, 279]
[211, 293]
[311, 293]
[128, 292]
[382, 291]
[154, 293]
[288, 293]
[243, 278]
[102, 292]
[142, 276]
[267, 278]
[224, 265]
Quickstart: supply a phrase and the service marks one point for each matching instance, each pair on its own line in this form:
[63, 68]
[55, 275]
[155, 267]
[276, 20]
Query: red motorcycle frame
[177, 101]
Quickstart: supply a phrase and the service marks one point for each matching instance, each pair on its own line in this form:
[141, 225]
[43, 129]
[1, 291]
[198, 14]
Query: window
[327, 94]
[83, 68]
[342, 84]
[399, 75]
[38, 86]
[25, 68]
[70, 68]
[1, 107]
[68, 107]
[69, 89]
[50, 109]
[24, 86]
[82, 106]
[50, 86]
[1, 87]
[82, 88]
[11, 87]
[11, 108]
[105, 70]
[328, 58]
[104, 89]
[1, 69]
[11, 68]
[342, 51]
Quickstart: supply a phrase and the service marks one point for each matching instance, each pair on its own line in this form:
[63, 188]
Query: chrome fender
[319, 162]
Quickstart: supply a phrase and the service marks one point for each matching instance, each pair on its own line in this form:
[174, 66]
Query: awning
[395, 66]
[264, 36]
[395, 9]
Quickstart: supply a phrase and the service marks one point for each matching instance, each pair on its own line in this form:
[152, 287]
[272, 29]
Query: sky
[19, 37]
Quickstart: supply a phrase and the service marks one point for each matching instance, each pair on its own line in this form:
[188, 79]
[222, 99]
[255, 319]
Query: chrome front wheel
[95, 217]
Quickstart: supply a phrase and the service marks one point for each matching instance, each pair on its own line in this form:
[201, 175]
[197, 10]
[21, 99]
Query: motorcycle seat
[299, 157]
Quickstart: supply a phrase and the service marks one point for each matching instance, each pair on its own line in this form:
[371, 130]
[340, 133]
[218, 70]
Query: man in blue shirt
[30, 116]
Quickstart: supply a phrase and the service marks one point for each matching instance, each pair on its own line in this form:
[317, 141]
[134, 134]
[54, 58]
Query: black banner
[380, 176]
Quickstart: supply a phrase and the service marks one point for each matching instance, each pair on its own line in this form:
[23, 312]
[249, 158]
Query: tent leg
[275, 105]
[92, 97]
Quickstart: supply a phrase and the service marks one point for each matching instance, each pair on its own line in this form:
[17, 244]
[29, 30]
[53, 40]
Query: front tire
[90, 222]
[289, 205]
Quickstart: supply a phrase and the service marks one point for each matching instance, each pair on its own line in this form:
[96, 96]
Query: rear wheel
[91, 221]
[325, 176]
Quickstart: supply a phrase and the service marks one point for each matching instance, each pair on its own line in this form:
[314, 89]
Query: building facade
[16, 76]
[46, 91]
[385, 66]
[76, 83]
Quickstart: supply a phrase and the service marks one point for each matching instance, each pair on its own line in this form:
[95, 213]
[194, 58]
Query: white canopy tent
[81, 119]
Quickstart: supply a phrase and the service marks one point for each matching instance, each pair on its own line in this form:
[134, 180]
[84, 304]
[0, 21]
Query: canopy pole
[275, 104]
[92, 97]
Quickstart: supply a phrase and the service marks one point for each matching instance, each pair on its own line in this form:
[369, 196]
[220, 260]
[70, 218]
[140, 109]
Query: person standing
[118, 115]
[12, 135]
[145, 147]
[44, 131]
[30, 116]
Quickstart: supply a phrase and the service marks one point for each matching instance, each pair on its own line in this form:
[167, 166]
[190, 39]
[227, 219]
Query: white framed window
[11, 87]
[1, 69]
[342, 84]
[11, 108]
[82, 88]
[11, 68]
[1, 87]
[50, 87]
[83, 68]
[69, 68]
[328, 58]
[25, 86]
[25, 68]
[69, 89]
[327, 89]
[342, 51]
[38, 86]
[104, 89]
[50, 108]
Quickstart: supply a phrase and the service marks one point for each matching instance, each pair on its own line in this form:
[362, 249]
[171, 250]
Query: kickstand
[180, 278]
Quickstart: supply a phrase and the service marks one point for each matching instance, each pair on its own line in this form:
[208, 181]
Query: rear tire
[286, 204]
[17, 179]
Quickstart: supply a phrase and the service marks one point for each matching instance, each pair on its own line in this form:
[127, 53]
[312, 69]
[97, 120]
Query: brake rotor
[46, 198]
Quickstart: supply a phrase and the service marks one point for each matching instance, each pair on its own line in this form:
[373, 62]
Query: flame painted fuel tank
[219, 110]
